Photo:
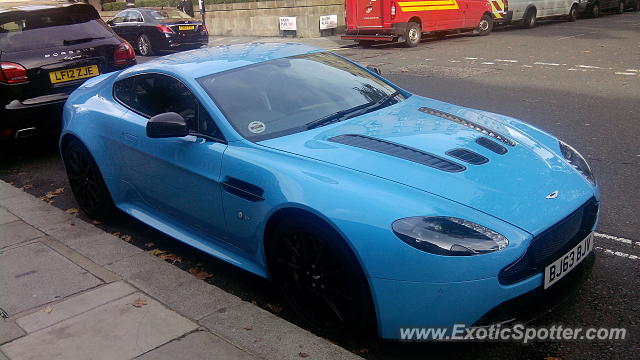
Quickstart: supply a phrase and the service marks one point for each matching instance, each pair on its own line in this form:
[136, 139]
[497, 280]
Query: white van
[529, 11]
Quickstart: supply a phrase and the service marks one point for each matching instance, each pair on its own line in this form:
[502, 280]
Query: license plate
[73, 74]
[561, 267]
[186, 27]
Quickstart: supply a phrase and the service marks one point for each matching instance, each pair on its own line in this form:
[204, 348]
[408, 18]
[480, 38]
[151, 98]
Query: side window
[120, 17]
[134, 16]
[153, 94]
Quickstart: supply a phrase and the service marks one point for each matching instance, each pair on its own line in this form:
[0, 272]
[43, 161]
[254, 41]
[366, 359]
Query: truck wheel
[573, 14]
[621, 7]
[529, 20]
[595, 10]
[412, 35]
[485, 26]
[365, 43]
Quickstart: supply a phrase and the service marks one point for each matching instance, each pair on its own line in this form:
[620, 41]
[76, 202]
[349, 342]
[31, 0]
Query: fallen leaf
[248, 327]
[171, 257]
[139, 302]
[274, 308]
[149, 244]
[51, 194]
[27, 187]
[156, 252]
[72, 211]
[363, 351]
[254, 302]
[199, 274]
[404, 69]
[126, 238]
[48, 309]
[116, 234]
[96, 222]
[303, 354]
[331, 341]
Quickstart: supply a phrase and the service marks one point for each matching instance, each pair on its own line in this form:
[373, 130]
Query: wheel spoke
[333, 306]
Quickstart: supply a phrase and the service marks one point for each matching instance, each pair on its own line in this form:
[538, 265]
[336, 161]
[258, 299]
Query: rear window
[54, 27]
[169, 15]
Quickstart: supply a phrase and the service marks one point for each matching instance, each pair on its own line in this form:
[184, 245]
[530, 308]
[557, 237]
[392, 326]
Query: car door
[119, 25]
[451, 15]
[175, 180]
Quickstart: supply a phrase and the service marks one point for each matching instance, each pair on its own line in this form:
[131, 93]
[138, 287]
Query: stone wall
[262, 18]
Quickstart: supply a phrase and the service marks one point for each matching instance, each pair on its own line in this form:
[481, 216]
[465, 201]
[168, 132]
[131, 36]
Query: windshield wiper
[352, 112]
[82, 40]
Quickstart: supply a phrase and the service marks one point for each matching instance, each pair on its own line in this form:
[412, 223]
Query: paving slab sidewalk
[68, 290]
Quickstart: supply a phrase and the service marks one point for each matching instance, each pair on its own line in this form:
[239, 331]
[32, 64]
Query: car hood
[512, 187]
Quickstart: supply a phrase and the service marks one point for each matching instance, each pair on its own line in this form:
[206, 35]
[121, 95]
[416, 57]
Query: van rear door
[368, 13]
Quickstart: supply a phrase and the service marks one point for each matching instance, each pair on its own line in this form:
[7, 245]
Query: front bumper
[405, 304]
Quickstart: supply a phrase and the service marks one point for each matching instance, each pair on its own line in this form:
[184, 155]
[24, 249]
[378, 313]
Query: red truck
[369, 21]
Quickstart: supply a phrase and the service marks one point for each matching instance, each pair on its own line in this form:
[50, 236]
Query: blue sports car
[368, 206]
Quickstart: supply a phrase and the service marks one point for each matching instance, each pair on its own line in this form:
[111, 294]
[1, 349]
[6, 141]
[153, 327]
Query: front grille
[552, 243]
[398, 150]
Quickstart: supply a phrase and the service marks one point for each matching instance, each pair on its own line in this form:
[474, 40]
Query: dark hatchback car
[594, 8]
[46, 52]
[153, 30]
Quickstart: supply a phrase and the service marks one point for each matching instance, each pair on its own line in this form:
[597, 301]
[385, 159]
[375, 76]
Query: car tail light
[5, 133]
[204, 28]
[123, 54]
[12, 73]
[393, 10]
[164, 29]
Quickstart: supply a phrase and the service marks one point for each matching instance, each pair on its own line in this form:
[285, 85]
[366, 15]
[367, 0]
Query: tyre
[529, 20]
[319, 276]
[412, 34]
[621, 7]
[485, 26]
[144, 46]
[365, 43]
[573, 14]
[595, 10]
[86, 182]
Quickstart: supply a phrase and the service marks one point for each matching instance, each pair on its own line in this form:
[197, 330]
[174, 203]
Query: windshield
[47, 28]
[289, 95]
[169, 15]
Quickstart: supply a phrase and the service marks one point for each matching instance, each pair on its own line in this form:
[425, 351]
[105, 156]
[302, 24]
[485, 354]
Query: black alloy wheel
[86, 182]
[319, 276]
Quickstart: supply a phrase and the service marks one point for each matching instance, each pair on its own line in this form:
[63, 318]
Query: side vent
[491, 145]
[243, 189]
[467, 156]
[470, 124]
[399, 151]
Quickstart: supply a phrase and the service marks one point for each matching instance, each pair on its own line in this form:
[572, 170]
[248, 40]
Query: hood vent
[467, 156]
[491, 145]
[470, 124]
[399, 151]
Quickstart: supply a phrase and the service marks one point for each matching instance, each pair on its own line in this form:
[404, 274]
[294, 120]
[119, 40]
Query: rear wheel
[319, 276]
[573, 14]
[485, 26]
[86, 182]
[412, 34]
[144, 46]
[621, 7]
[595, 10]
[529, 20]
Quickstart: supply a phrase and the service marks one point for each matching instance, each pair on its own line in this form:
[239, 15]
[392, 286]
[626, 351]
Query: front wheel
[412, 34]
[319, 276]
[86, 182]
[573, 14]
[529, 20]
[144, 46]
[485, 26]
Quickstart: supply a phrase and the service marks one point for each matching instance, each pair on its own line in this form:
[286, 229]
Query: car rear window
[169, 15]
[50, 27]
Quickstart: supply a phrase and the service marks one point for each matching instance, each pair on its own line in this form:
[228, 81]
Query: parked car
[369, 22]
[153, 30]
[528, 12]
[593, 8]
[47, 51]
[357, 198]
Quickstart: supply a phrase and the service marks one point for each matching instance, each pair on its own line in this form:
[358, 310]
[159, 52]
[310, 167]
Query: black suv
[46, 52]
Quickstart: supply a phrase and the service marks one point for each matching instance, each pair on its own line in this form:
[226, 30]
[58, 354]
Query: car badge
[553, 195]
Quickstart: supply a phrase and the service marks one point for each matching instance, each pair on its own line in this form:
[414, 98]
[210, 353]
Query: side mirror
[374, 69]
[167, 125]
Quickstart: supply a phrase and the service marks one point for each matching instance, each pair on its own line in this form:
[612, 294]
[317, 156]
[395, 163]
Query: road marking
[487, 63]
[618, 253]
[471, 58]
[616, 238]
[625, 73]
[589, 67]
[454, 61]
[545, 63]
[509, 61]
[633, 70]
[527, 66]
[572, 36]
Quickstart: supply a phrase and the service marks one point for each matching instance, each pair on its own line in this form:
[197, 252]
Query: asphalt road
[580, 81]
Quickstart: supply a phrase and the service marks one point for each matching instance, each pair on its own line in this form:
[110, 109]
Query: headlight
[448, 236]
[577, 161]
